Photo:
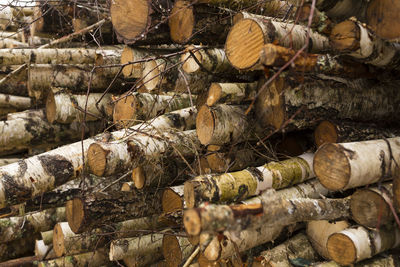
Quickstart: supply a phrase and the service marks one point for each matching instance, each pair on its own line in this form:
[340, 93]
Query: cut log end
[332, 167]
[75, 214]
[58, 240]
[205, 124]
[171, 201]
[50, 107]
[130, 18]
[244, 33]
[125, 110]
[139, 177]
[190, 65]
[369, 208]
[97, 159]
[382, 17]
[127, 56]
[326, 132]
[151, 74]
[188, 193]
[341, 249]
[345, 36]
[171, 250]
[192, 222]
[181, 22]
[214, 94]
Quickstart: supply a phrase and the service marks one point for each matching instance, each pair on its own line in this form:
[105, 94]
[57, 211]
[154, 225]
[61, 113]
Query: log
[319, 231]
[197, 24]
[149, 25]
[128, 186]
[96, 209]
[145, 249]
[47, 237]
[42, 77]
[15, 83]
[255, 32]
[236, 186]
[172, 199]
[320, 20]
[11, 43]
[297, 106]
[370, 207]
[104, 57]
[105, 159]
[294, 248]
[347, 131]
[16, 102]
[348, 165]
[43, 251]
[65, 242]
[353, 39]
[341, 10]
[14, 228]
[16, 249]
[160, 74]
[64, 107]
[277, 211]
[135, 107]
[358, 243]
[381, 18]
[277, 56]
[231, 93]
[176, 249]
[89, 259]
[135, 227]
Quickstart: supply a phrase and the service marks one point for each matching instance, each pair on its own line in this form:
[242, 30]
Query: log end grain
[341, 249]
[192, 222]
[58, 240]
[171, 201]
[127, 56]
[97, 159]
[382, 17]
[214, 94]
[345, 36]
[152, 74]
[125, 111]
[51, 107]
[370, 209]
[244, 44]
[205, 124]
[332, 167]
[127, 187]
[181, 22]
[130, 18]
[190, 65]
[216, 160]
[171, 250]
[75, 214]
[325, 132]
[139, 177]
[213, 251]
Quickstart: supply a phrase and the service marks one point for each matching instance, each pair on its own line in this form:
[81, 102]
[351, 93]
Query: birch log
[89, 259]
[348, 165]
[354, 39]
[133, 108]
[17, 102]
[358, 243]
[47, 237]
[390, 260]
[236, 186]
[105, 159]
[176, 249]
[15, 83]
[297, 106]
[97, 209]
[64, 107]
[160, 74]
[255, 32]
[172, 199]
[43, 251]
[320, 20]
[145, 249]
[230, 93]
[341, 10]
[133, 56]
[22, 226]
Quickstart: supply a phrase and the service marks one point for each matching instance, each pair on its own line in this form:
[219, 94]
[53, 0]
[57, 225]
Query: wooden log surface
[97, 258]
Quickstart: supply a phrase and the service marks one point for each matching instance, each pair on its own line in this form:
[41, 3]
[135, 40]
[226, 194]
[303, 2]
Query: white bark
[17, 102]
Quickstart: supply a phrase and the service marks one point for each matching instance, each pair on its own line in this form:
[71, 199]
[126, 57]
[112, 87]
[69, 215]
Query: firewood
[348, 165]
[381, 18]
[266, 30]
[136, 107]
[344, 131]
[236, 186]
[197, 24]
[89, 259]
[318, 233]
[297, 106]
[145, 249]
[104, 57]
[47, 237]
[230, 93]
[160, 74]
[135, 227]
[149, 25]
[343, 9]
[176, 249]
[296, 247]
[105, 159]
[17, 102]
[370, 207]
[96, 209]
[354, 39]
[278, 211]
[64, 107]
[358, 243]
[172, 199]
[15, 83]
[43, 251]
[128, 186]
[277, 56]
[320, 20]
[14, 228]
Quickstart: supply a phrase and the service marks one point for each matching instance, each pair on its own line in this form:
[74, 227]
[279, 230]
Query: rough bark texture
[236, 186]
[16, 83]
[255, 32]
[89, 259]
[349, 165]
[316, 99]
[358, 243]
[97, 209]
[20, 227]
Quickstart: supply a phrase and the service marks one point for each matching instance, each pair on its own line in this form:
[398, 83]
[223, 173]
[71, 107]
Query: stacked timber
[218, 133]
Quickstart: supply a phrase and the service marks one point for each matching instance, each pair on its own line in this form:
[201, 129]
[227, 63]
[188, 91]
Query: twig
[191, 258]
[17, 70]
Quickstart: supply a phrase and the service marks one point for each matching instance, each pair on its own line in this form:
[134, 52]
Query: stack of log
[218, 133]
